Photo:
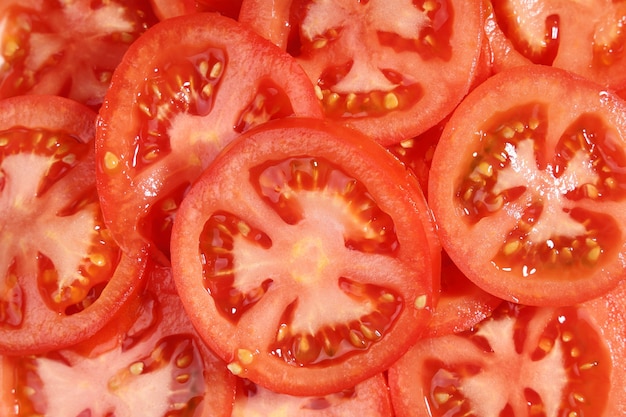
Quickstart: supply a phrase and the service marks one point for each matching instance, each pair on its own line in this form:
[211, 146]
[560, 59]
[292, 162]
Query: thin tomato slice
[529, 193]
[150, 363]
[392, 69]
[521, 361]
[62, 275]
[369, 398]
[583, 37]
[306, 257]
[67, 48]
[184, 90]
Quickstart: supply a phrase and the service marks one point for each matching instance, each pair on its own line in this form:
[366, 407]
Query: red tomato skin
[44, 329]
[277, 140]
[455, 148]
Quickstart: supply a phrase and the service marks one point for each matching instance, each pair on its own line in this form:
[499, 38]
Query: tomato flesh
[535, 184]
[535, 361]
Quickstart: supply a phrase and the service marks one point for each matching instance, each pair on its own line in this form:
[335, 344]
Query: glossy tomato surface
[306, 257]
[150, 362]
[391, 69]
[183, 91]
[165, 9]
[62, 275]
[521, 361]
[528, 187]
[67, 48]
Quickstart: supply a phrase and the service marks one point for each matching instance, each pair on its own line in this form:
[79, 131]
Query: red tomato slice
[62, 275]
[67, 48]
[306, 257]
[587, 38]
[155, 367]
[165, 9]
[522, 361]
[184, 90]
[529, 193]
[391, 69]
[369, 398]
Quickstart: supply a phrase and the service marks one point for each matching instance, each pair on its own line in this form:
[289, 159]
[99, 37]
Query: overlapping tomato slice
[63, 275]
[302, 261]
[183, 91]
[539, 184]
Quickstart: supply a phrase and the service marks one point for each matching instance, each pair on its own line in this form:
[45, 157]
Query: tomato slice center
[239, 270]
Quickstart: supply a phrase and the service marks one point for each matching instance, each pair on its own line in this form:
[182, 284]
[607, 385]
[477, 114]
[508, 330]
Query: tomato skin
[596, 113]
[251, 341]
[392, 81]
[141, 173]
[43, 323]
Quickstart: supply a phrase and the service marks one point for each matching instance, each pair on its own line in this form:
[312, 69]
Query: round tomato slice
[165, 9]
[306, 257]
[391, 69]
[153, 365]
[530, 194]
[67, 48]
[369, 398]
[521, 361]
[62, 276]
[184, 90]
[587, 38]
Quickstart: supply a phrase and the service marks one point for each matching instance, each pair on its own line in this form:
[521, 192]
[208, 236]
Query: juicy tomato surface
[587, 38]
[539, 184]
[61, 274]
[67, 48]
[389, 69]
[184, 90]
[150, 363]
[369, 398]
[306, 256]
[165, 9]
[521, 361]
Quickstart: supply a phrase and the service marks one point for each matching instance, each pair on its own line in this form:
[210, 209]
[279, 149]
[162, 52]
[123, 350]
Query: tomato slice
[184, 90]
[155, 366]
[585, 38]
[63, 276]
[306, 257]
[369, 398]
[390, 69]
[165, 9]
[67, 48]
[522, 361]
[529, 194]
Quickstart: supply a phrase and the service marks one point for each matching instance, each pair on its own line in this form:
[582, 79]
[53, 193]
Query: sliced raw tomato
[62, 277]
[151, 363]
[184, 90]
[587, 38]
[528, 186]
[521, 361]
[306, 257]
[67, 48]
[391, 69]
[369, 398]
[165, 9]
